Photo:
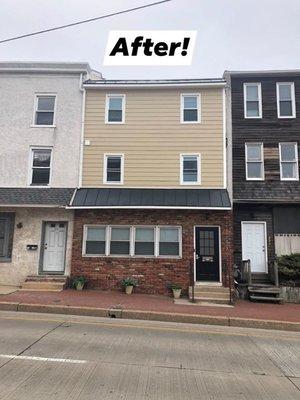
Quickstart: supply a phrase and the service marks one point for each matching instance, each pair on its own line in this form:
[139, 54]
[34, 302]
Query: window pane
[169, 249]
[285, 92]
[190, 169]
[120, 233]
[252, 109]
[252, 93]
[254, 170]
[113, 169]
[144, 249]
[253, 152]
[115, 115]
[40, 176]
[169, 234]
[113, 163]
[121, 248]
[287, 152]
[95, 247]
[144, 234]
[190, 115]
[289, 170]
[41, 158]
[115, 103]
[113, 177]
[286, 108]
[190, 102]
[44, 118]
[46, 103]
[95, 234]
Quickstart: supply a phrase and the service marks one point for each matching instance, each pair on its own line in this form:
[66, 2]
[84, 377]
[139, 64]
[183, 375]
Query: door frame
[264, 223]
[207, 283]
[40, 269]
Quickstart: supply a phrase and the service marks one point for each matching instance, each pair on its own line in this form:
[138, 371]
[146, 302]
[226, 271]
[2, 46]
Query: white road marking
[32, 358]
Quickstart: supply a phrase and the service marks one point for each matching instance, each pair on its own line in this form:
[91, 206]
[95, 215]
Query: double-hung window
[169, 242]
[144, 243]
[113, 168]
[40, 166]
[286, 107]
[252, 100]
[254, 161]
[115, 109]
[190, 108]
[288, 154]
[44, 113]
[6, 236]
[190, 169]
[95, 240]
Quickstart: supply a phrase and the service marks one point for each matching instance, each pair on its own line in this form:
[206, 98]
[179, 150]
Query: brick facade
[153, 274]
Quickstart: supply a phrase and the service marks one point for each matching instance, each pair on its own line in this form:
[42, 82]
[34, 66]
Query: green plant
[289, 266]
[176, 286]
[79, 280]
[129, 282]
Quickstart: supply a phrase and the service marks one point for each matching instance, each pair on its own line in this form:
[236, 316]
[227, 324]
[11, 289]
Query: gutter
[151, 86]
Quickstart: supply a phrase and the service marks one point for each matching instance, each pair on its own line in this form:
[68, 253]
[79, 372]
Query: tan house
[153, 201]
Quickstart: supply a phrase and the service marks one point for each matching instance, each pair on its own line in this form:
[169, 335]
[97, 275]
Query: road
[45, 356]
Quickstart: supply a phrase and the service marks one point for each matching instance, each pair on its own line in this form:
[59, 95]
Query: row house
[41, 124]
[153, 200]
[264, 126]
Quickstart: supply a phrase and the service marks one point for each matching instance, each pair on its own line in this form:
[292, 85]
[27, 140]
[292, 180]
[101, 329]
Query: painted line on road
[265, 335]
[32, 358]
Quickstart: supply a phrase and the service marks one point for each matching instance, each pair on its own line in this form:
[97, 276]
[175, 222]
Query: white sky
[232, 34]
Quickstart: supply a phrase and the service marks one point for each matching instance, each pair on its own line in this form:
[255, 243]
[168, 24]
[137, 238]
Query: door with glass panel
[207, 254]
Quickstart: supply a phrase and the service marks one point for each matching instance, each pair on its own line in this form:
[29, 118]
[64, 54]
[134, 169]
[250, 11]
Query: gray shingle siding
[36, 196]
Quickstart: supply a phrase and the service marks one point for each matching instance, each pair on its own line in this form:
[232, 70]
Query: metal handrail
[192, 281]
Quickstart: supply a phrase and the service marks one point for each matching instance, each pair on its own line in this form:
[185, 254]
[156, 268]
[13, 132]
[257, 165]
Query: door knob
[197, 257]
[45, 246]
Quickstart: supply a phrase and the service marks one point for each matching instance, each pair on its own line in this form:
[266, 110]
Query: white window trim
[198, 95]
[296, 161]
[36, 96]
[262, 161]
[108, 96]
[132, 241]
[292, 84]
[106, 156]
[258, 84]
[198, 155]
[30, 172]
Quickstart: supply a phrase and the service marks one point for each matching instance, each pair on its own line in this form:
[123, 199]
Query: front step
[210, 294]
[268, 293]
[47, 283]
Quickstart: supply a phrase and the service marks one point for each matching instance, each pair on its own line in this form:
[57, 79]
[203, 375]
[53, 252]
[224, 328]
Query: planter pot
[79, 286]
[176, 293]
[128, 289]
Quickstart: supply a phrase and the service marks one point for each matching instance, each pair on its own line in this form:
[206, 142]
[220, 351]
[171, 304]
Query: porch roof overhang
[145, 198]
[35, 197]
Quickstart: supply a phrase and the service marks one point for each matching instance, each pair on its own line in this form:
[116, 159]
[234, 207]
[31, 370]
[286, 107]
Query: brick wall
[153, 274]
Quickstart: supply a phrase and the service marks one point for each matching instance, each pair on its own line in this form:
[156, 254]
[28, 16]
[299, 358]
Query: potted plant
[176, 290]
[129, 284]
[79, 282]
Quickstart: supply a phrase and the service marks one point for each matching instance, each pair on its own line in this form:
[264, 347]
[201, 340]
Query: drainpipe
[81, 88]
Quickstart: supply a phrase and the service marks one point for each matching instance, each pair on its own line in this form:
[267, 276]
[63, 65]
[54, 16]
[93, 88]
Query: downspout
[82, 130]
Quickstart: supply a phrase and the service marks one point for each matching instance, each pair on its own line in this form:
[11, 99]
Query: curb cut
[152, 316]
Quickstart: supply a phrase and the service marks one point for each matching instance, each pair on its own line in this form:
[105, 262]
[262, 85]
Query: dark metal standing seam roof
[151, 198]
[36, 196]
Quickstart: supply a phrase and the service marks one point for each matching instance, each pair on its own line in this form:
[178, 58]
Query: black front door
[207, 254]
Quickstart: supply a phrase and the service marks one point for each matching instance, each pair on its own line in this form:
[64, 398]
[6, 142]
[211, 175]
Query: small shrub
[129, 282]
[176, 286]
[79, 280]
[289, 266]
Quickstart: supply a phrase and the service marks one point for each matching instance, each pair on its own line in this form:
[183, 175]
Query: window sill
[190, 123]
[114, 123]
[39, 186]
[42, 126]
[132, 257]
[5, 260]
[290, 117]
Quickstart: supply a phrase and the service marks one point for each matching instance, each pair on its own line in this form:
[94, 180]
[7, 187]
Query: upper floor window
[44, 112]
[252, 100]
[113, 168]
[115, 109]
[288, 154]
[285, 99]
[254, 161]
[40, 166]
[190, 169]
[190, 108]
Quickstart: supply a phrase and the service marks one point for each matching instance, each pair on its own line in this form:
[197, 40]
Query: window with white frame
[40, 166]
[254, 161]
[115, 109]
[132, 241]
[44, 110]
[286, 107]
[288, 154]
[252, 100]
[190, 169]
[190, 108]
[113, 168]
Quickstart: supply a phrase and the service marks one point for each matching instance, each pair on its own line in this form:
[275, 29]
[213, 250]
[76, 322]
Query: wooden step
[266, 298]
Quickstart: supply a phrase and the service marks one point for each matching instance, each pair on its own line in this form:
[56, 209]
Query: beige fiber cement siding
[152, 137]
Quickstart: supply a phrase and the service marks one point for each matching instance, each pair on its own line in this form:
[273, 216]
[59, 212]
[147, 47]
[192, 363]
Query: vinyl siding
[152, 138]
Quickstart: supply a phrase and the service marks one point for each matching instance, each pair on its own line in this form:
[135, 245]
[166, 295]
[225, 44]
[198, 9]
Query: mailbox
[32, 247]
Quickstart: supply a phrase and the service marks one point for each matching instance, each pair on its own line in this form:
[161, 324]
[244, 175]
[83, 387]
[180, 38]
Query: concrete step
[43, 286]
[200, 299]
[46, 278]
[213, 295]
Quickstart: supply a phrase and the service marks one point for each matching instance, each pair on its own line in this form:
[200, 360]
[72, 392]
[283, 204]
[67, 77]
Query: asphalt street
[46, 356]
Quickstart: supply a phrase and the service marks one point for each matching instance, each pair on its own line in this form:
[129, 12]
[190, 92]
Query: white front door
[54, 247]
[254, 245]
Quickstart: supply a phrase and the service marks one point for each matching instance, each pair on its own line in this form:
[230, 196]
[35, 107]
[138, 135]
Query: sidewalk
[140, 306]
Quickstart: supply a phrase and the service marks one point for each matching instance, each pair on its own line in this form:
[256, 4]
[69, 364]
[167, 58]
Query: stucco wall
[16, 134]
[25, 262]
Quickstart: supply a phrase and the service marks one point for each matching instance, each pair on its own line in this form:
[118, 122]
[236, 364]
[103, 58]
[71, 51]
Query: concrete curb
[152, 316]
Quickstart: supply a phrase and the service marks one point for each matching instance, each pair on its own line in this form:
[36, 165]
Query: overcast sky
[232, 34]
